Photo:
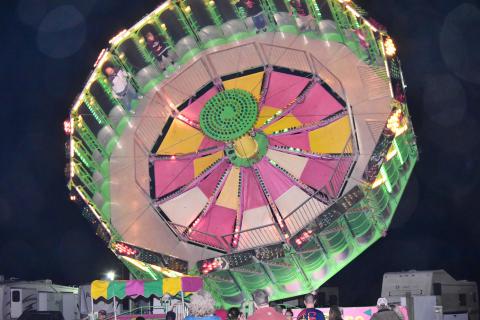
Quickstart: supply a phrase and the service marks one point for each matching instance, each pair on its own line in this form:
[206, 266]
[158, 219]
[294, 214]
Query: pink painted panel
[218, 221]
[298, 140]
[192, 284]
[134, 287]
[284, 88]
[318, 104]
[252, 195]
[275, 181]
[208, 184]
[171, 174]
[317, 173]
[207, 143]
[192, 111]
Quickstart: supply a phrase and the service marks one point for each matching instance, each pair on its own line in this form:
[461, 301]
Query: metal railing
[346, 160]
[255, 237]
[329, 78]
[294, 59]
[306, 212]
[152, 120]
[184, 85]
[141, 166]
[232, 60]
[199, 237]
[152, 312]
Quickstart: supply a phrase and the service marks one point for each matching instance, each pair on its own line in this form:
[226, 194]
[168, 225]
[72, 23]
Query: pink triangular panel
[318, 105]
[207, 143]
[275, 181]
[192, 111]
[217, 221]
[284, 88]
[298, 140]
[317, 173]
[252, 195]
[210, 182]
[172, 174]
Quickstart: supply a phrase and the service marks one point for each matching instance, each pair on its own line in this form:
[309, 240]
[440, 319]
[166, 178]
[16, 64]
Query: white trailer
[432, 294]
[18, 296]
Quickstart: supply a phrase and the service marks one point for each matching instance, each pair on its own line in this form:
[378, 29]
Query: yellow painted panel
[203, 163]
[228, 197]
[251, 83]
[245, 147]
[265, 114]
[99, 289]
[289, 121]
[180, 139]
[172, 286]
[331, 138]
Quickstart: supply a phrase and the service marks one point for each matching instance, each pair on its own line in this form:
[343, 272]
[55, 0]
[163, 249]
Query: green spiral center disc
[229, 114]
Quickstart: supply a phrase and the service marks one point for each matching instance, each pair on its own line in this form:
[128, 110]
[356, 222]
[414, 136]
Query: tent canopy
[145, 288]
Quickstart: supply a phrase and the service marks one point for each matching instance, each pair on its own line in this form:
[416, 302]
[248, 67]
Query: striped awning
[145, 288]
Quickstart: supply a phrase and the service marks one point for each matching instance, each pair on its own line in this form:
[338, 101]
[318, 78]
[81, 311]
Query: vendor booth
[133, 289]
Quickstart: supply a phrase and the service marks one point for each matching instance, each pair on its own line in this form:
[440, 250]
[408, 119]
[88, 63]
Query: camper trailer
[17, 297]
[431, 294]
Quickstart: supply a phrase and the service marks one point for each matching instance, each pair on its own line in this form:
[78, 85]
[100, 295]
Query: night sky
[48, 50]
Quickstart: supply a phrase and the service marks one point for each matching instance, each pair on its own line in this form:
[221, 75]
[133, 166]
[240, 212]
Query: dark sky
[49, 47]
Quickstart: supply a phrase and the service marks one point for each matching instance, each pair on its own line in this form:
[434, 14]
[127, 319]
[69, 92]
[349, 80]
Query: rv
[17, 296]
[432, 294]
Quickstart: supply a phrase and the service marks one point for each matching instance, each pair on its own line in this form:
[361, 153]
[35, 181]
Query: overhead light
[390, 48]
[110, 275]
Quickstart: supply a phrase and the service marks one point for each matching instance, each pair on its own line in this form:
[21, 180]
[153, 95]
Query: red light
[67, 127]
[123, 249]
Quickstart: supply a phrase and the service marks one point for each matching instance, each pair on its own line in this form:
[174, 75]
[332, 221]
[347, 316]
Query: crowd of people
[202, 307]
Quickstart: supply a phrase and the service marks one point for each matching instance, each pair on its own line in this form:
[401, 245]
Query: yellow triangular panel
[289, 121]
[265, 114]
[228, 198]
[203, 163]
[251, 83]
[331, 138]
[180, 139]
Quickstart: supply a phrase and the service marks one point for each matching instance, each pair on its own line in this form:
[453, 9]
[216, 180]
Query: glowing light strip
[385, 177]
[162, 7]
[397, 149]
[169, 273]
[370, 25]
[355, 13]
[378, 182]
[99, 58]
[120, 36]
[386, 67]
[391, 153]
[72, 147]
[141, 266]
[358, 15]
[125, 33]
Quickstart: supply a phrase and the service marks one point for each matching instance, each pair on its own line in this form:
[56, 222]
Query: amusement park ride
[270, 149]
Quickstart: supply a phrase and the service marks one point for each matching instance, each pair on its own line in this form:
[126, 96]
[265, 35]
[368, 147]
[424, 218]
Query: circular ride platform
[258, 159]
